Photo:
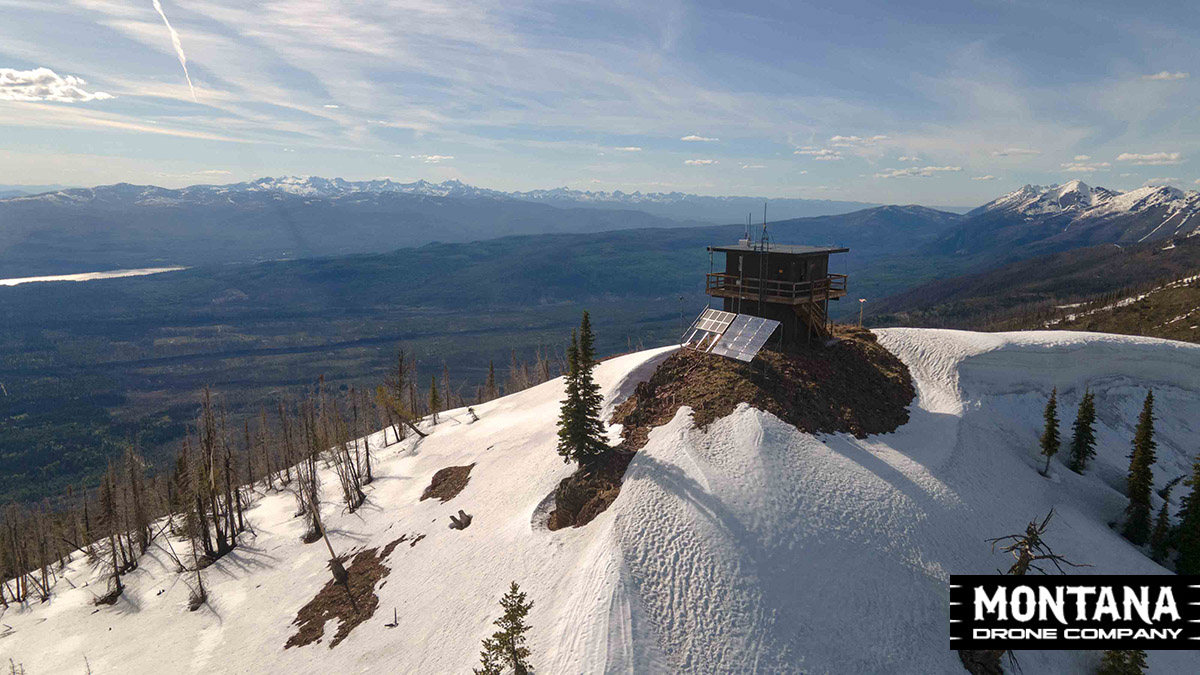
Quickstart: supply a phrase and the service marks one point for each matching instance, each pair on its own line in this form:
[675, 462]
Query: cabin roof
[784, 249]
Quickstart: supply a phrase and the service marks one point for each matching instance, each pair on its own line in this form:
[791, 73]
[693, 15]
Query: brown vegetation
[586, 494]
[853, 386]
[351, 604]
[448, 482]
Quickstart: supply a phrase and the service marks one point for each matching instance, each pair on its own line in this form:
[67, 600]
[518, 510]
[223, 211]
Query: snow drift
[748, 547]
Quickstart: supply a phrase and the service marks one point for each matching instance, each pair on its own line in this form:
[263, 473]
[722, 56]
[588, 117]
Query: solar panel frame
[745, 337]
[709, 326]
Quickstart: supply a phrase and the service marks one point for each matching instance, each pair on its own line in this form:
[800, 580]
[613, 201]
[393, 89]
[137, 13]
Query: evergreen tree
[1083, 440]
[1141, 478]
[580, 431]
[1050, 441]
[506, 647]
[435, 401]
[1123, 662]
[587, 343]
[1160, 537]
[1189, 526]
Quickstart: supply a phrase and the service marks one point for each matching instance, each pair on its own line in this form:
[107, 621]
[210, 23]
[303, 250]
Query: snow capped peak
[1038, 200]
[1078, 199]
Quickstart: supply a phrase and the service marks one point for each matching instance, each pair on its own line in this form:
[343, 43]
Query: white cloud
[43, 84]
[1082, 158]
[823, 154]
[1083, 166]
[332, 105]
[917, 172]
[1151, 158]
[753, 166]
[850, 141]
[1161, 181]
[1197, 181]
[700, 162]
[432, 159]
[1015, 152]
[908, 158]
[699, 139]
[628, 148]
[987, 177]
[1166, 75]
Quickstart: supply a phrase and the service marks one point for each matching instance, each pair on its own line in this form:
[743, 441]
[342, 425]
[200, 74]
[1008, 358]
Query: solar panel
[707, 328]
[714, 321]
[744, 337]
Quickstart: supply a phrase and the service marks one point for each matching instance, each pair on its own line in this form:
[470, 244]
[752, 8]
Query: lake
[91, 276]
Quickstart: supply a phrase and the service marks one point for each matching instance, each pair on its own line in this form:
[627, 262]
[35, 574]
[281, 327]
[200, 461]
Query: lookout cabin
[790, 284]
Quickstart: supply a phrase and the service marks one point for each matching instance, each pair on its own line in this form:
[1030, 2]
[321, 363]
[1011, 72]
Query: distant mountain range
[118, 226]
[675, 205]
[122, 226]
[1037, 220]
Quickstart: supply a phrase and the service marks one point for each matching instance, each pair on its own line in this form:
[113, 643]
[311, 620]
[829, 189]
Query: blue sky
[901, 102]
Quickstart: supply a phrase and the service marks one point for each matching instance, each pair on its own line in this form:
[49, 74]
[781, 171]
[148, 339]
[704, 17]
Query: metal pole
[681, 317]
[862, 302]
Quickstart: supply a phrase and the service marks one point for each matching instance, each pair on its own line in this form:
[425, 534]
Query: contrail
[178, 48]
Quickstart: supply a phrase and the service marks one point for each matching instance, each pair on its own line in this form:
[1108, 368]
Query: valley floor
[746, 547]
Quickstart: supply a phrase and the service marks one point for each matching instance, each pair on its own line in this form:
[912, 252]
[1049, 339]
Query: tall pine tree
[506, 647]
[580, 430]
[1141, 479]
[587, 343]
[1189, 526]
[1123, 662]
[1050, 441]
[1160, 537]
[1083, 439]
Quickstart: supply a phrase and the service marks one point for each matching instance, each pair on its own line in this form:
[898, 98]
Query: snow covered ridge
[331, 188]
[1081, 201]
[749, 547]
[316, 187]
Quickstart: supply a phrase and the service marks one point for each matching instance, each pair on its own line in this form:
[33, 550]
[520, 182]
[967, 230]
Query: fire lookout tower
[788, 284]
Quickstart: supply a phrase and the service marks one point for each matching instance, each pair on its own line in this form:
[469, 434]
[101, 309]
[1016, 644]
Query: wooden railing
[772, 290]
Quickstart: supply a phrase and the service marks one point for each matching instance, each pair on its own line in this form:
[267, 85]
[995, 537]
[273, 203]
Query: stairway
[811, 316]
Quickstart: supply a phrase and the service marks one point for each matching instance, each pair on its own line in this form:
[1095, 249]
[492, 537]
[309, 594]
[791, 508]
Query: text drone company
[999, 612]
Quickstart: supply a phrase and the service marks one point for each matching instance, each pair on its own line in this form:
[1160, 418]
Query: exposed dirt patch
[448, 482]
[582, 496]
[854, 386]
[334, 600]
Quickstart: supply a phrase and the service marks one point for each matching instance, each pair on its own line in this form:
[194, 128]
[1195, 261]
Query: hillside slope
[1168, 310]
[1009, 296]
[748, 547]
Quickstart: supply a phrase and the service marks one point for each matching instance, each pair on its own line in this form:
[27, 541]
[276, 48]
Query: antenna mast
[765, 240]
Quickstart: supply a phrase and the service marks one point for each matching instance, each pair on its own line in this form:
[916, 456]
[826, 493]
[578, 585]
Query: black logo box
[969, 631]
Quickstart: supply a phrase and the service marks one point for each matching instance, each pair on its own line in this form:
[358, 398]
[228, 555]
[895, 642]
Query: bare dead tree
[1028, 550]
